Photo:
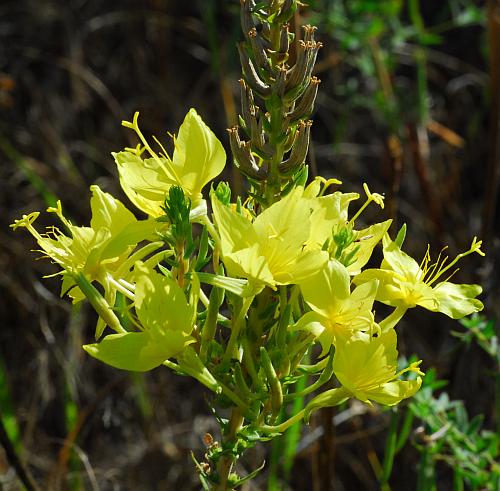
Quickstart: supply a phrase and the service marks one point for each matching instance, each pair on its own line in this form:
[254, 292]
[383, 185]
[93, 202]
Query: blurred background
[409, 102]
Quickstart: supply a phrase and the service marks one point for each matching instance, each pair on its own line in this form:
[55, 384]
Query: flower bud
[287, 10]
[280, 84]
[302, 70]
[284, 45]
[272, 381]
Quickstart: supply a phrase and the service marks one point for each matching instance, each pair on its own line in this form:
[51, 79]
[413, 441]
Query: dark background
[70, 71]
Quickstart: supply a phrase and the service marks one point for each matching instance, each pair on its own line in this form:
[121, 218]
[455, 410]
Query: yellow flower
[269, 250]
[336, 311]
[99, 252]
[405, 284]
[329, 217]
[166, 320]
[366, 366]
[198, 157]
[113, 233]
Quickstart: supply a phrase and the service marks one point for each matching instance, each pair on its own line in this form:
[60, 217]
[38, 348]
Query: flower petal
[198, 156]
[137, 351]
[456, 301]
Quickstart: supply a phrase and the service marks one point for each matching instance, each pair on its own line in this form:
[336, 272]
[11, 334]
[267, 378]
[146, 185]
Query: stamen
[134, 126]
[432, 269]
[413, 367]
[425, 262]
[377, 198]
[452, 274]
[475, 247]
[58, 211]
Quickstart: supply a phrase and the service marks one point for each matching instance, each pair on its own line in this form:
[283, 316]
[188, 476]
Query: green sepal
[248, 477]
[329, 398]
[190, 364]
[237, 286]
[400, 238]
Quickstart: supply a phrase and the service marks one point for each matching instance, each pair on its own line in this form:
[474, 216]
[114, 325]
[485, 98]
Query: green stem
[405, 430]
[391, 320]
[236, 329]
[220, 388]
[98, 302]
[390, 449]
[285, 425]
[212, 231]
[249, 363]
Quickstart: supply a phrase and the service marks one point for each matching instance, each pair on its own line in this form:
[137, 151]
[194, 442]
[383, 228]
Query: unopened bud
[266, 32]
[256, 133]
[287, 10]
[295, 73]
[280, 84]
[247, 23]
[259, 141]
[302, 70]
[272, 381]
[284, 45]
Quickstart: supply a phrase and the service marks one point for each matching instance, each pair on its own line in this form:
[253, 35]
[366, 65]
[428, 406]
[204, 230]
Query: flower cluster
[236, 293]
[305, 241]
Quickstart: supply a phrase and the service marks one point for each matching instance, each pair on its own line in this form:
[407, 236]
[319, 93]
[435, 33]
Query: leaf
[250, 476]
